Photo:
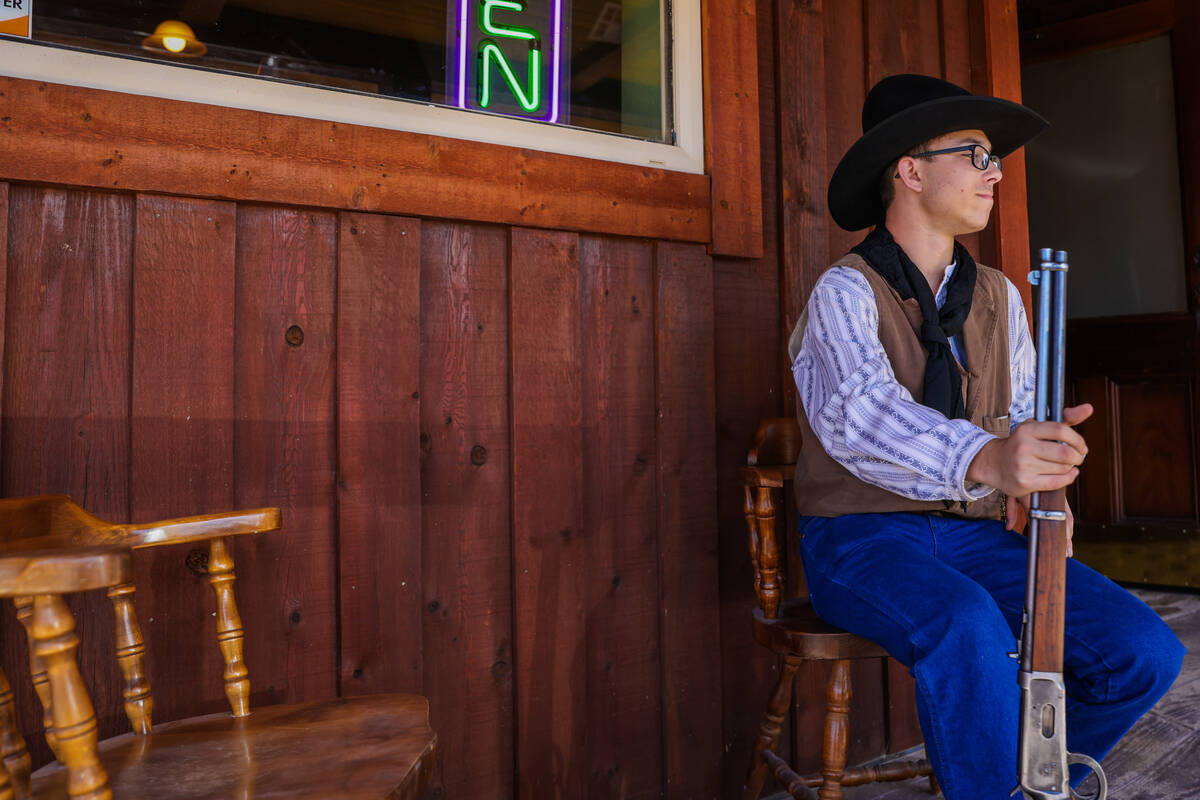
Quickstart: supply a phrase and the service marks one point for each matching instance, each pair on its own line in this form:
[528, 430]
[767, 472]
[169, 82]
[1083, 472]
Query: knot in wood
[479, 455]
[294, 336]
[197, 561]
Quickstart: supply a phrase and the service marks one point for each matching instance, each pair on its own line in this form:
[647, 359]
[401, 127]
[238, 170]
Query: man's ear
[908, 171]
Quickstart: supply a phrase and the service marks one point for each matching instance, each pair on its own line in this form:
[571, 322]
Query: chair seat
[798, 630]
[373, 746]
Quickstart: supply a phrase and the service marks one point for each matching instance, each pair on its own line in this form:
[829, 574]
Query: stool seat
[799, 631]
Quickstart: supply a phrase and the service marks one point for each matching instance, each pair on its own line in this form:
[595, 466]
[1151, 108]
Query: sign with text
[509, 57]
[16, 17]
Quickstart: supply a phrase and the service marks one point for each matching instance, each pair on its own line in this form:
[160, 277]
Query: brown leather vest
[824, 488]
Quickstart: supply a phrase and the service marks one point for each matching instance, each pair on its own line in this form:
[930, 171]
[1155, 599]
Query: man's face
[957, 198]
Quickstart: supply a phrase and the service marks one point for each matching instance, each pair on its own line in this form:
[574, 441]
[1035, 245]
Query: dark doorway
[1114, 183]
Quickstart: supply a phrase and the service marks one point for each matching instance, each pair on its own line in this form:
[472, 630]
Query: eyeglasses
[981, 159]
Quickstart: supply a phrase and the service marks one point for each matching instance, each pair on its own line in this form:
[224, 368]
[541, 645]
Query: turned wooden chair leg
[74, 717]
[230, 635]
[13, 751]
[131, 656]
[777, 708]
[837, 731]
[37, 672]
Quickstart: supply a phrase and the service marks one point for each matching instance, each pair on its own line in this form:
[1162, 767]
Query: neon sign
[506, 56]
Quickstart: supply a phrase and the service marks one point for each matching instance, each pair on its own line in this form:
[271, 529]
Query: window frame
[161, 79]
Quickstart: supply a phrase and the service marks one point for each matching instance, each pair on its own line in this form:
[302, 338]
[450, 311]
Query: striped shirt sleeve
[863, 417]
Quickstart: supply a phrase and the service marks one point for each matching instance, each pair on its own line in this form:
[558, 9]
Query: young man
[915, 373]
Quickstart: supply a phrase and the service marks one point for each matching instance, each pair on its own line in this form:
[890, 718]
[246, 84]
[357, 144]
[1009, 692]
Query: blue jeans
[944, 596]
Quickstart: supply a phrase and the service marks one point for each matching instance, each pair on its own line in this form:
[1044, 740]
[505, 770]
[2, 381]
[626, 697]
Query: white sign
[15, 17]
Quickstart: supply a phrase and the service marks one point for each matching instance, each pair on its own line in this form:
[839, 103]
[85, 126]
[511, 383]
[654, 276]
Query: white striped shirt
[867, 421]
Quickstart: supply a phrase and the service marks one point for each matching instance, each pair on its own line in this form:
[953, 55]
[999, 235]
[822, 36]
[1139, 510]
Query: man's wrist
[984, 467]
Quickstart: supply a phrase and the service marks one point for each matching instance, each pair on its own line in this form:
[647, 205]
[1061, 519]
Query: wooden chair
[792, 629]
[376, 746]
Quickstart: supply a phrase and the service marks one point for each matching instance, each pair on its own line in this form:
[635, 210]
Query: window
[548, 74]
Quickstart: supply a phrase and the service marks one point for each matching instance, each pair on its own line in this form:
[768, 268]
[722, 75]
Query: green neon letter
[510, 31]
[492, 50]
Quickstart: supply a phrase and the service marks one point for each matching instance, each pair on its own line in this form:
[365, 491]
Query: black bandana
[943, 384]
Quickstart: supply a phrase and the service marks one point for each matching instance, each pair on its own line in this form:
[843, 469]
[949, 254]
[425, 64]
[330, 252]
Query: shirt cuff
[971, 445]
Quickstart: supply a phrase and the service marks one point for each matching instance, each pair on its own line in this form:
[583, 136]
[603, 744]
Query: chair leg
[74, 718]
[837, 731]
[769, 732]
[12, 746]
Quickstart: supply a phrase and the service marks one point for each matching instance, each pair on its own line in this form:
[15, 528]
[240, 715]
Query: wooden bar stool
[374, 746]
[792, 629]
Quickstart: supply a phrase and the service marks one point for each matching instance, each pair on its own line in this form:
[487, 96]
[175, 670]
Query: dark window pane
[595, 64]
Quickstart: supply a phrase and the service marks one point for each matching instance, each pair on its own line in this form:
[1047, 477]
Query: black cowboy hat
[902, 111]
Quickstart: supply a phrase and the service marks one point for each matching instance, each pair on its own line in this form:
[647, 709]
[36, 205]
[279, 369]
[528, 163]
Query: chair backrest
[56, 521]
[770, 464]
[49, 546]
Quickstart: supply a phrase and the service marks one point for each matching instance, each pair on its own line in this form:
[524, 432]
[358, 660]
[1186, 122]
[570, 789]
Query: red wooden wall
[492, 447]
[506, 456]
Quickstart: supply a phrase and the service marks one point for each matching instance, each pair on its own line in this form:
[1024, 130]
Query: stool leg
[837, 731]
[769, 732]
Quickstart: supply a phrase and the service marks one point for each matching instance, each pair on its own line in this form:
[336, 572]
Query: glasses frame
[988, 159]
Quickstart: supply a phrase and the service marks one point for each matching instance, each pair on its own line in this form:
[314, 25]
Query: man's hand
[1037, 457]
[1017, 521]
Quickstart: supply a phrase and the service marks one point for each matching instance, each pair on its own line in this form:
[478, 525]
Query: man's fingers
[1077, 414]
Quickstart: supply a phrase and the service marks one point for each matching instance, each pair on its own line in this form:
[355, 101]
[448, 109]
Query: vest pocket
[997, 426]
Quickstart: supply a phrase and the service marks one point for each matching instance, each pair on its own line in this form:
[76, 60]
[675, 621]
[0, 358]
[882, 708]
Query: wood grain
[284, 449]
[846, 88]
[182, 410]
[748, 369]
[549, 548]
[731, 141]
[89, 137]
[619, 490]
[67, 395]
[1005, 244]
[378, 442]
[466, 548]
[1157, 464]
[804, 221]
[687, 519]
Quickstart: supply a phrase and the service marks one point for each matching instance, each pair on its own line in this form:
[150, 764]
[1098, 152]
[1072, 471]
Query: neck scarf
[943, 384]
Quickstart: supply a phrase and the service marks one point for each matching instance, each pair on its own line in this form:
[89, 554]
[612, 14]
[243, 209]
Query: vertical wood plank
[284, 449]
[1005, 244]
[1185, 41]
[804, 224]
[687, 514]
[624, 698]
[731, 126]
[182, 413]
[66, 393]
[749, 367]
[549, 550]
[902, 36]
[846, 88]
[3, 296]
[955, 29]
[466, 542]
[379, 487]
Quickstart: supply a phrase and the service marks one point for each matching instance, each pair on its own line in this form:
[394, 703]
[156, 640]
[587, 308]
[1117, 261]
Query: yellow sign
[15, 16]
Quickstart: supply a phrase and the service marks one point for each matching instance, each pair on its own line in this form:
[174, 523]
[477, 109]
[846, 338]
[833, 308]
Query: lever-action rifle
[1043, 760]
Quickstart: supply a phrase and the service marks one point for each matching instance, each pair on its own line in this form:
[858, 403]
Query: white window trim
[21, 59]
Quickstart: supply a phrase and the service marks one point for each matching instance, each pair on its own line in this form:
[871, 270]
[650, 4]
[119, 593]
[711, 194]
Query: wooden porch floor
[1160, 758]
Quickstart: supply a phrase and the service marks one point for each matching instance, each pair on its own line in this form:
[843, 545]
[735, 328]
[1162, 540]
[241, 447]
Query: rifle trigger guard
[1089, 762]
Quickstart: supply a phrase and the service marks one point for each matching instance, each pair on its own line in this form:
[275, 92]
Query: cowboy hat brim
[853, 198]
